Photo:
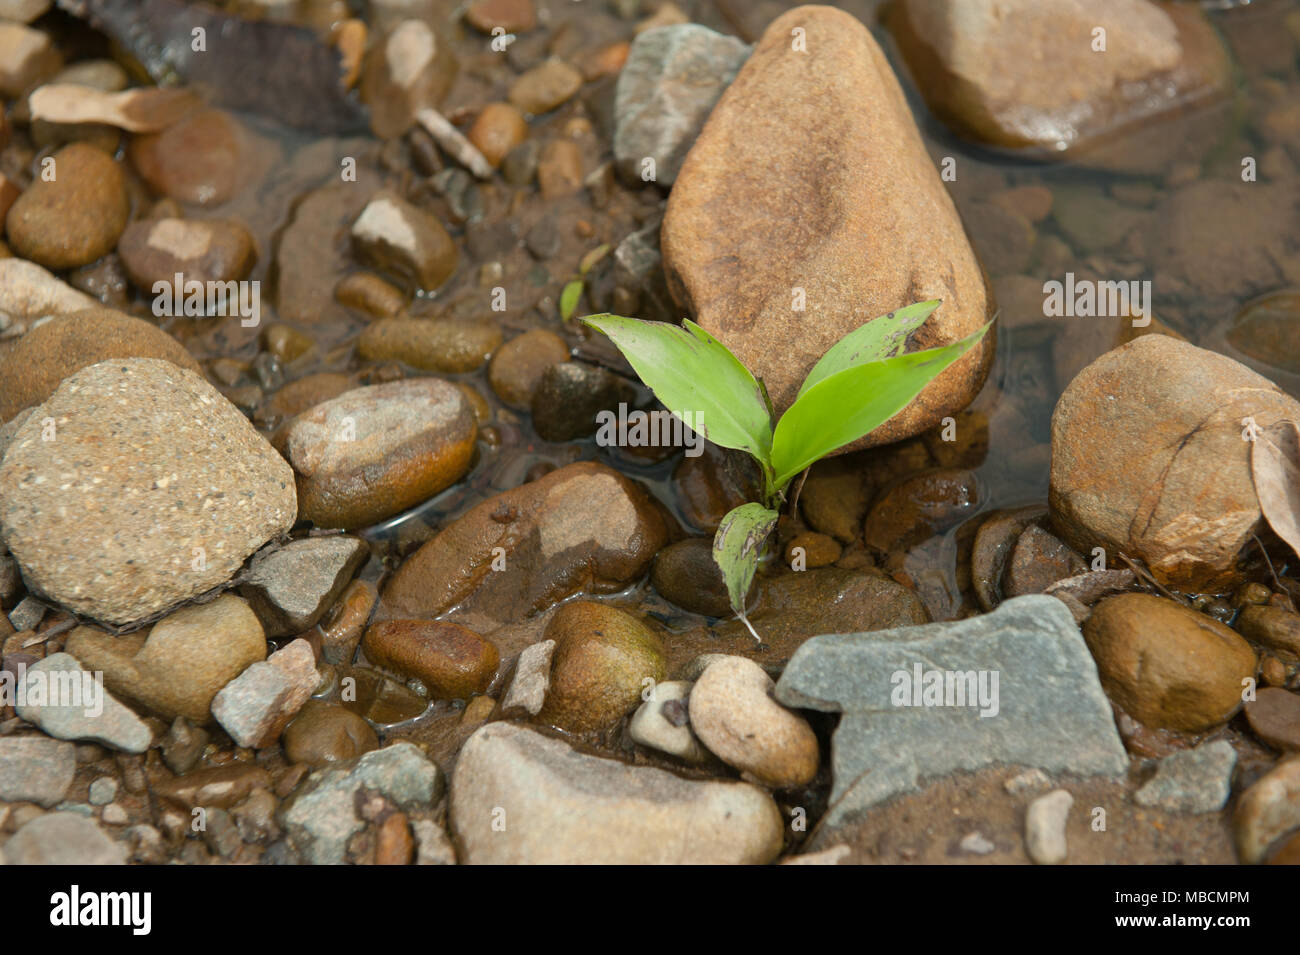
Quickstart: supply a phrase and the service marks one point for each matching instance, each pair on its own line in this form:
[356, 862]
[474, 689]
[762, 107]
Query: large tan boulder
[1149, 459]
[810, 181]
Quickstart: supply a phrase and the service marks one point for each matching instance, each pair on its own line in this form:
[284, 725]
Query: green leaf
[853, 402]
[880, 338]
[697, 379]
[736, 549]
[569, 299]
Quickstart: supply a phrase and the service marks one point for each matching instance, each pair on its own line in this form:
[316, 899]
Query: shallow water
[1036, 355]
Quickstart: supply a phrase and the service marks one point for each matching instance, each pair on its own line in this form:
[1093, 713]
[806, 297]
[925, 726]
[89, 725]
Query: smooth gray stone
[1052, 712]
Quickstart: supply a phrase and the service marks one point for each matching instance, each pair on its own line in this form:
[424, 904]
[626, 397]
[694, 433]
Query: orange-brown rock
[810, 185]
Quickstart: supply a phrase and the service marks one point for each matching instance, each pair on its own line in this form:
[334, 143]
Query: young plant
[860, 383]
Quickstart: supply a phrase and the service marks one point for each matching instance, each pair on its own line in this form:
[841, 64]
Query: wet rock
[445, 345]
[207, 250]
[27, 615]
[601, 659]
[63, 838]
[1167, 666]
[1045, 827]
[498, 129]
[512, 16]
[920, 506]
[176, 667]
[810, 550]
[1191, 780]
[368, 293]
[183, 746]
[581, 529]
[36, 769]
[1066, 98]
[342, 628]
[55, 349]
[26, 57]
[28, 293]
[992, 549]
[393, 236]
[102, 791]
[834, 498]
[734, 274]
[255, 707]
[666, 90]
[301, 395]
[1274, 716]
[562, 806]
[517, 366]
[559, 169]
[544, 87]
[733, 714]
[176, 458]
[1091, 222]
[713, 483]
[74, 218]
[663, 722]
[1148, 459]
[1267, 811]
[432, 847]
[1084, 591]
[1272, 626]
[1038, 561]
[324, 732]
[373, 452]
[101, 719]
[309, 256]
[322, 816]
[1004, 239]
[291, 587]
[452, 662]
[217, 786]
[1266, 330]
[408, 69]
[520, 164]
[1051, 713]
[793, 607]
[570, 394]
[686, 574]
[531, 680]
[203, 159]
[1225, 265]
[381, 700]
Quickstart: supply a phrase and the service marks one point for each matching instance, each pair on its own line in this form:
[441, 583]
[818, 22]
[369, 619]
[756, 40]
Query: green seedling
[860, 383]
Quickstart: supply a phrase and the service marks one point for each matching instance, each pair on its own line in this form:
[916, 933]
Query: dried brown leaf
[1275, 464]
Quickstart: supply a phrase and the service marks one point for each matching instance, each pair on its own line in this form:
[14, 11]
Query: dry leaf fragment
[147, 110]
[1275, 464]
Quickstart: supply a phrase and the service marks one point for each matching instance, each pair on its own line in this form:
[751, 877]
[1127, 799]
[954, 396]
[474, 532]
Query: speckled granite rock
[153, 490]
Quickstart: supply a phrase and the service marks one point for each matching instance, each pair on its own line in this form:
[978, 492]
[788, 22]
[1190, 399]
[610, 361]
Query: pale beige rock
[734, 715]
[560, 806]
[179, 665]
[1268, 810]
[154, 491]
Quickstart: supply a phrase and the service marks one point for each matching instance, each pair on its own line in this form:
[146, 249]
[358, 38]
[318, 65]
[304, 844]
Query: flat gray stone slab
[1042, 698]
